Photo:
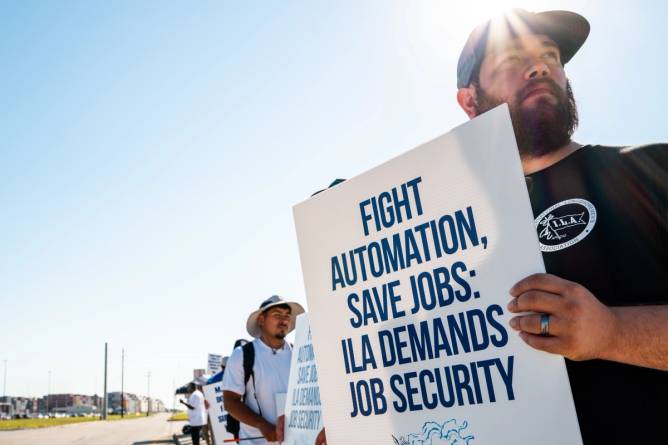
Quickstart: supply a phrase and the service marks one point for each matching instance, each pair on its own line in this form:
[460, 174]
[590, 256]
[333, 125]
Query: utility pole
[122, 372]
[48, 395]
[174, 398]
[104, 400]
[4, 385]
[148, 395]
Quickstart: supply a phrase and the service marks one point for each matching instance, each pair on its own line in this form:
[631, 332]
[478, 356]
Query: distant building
[133, 403]
[22, 406]
[76, 404]
[6, 409]
[72, 404]
[158, 406]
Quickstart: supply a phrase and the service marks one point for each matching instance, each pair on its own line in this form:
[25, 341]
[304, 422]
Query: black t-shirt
[601, 219]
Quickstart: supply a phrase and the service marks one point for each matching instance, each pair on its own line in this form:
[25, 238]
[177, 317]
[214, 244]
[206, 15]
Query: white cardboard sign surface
[213, 394]
[407, 269]
[303, 414]
[214, 363]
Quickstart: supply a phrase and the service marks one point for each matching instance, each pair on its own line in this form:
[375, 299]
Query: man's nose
[536, 70]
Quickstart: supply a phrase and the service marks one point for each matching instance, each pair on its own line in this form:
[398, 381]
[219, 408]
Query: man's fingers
[541, 282]
[547, 344]
[321, 439]
[536, 301]
[280, 428]
[531, 324]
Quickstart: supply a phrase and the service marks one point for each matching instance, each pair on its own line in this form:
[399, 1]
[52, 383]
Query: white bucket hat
[295, 309]
[201, 380]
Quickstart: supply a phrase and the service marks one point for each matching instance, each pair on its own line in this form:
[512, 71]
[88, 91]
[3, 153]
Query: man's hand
[268, 430]
[244, 414]
[580, 326]
[280, 428]
[321, 439]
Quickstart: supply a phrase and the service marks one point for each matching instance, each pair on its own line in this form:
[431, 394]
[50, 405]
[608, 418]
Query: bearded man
[600, 215]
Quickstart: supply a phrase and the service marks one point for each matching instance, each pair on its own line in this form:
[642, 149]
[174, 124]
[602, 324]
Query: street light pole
[122, 372]
[104, 402]
[174, 398]
[48, 395]
[4, 384]
[148, 395]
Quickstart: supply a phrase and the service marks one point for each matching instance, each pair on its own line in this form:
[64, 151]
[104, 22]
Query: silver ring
[544, 325]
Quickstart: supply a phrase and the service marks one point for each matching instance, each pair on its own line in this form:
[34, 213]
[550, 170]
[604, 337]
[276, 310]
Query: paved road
[148, 430]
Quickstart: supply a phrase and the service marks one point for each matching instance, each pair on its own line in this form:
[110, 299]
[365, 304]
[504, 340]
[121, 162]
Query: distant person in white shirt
[253, 402]
[197, 416]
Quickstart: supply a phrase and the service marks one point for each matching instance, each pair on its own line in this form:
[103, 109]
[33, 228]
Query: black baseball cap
[569, 31]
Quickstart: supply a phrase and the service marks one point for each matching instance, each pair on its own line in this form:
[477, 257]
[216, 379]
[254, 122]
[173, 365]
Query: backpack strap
[249, 361]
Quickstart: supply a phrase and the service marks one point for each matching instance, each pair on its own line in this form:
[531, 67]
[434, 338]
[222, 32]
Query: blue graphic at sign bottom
[434, 433]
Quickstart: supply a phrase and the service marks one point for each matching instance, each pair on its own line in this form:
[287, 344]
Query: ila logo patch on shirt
[564, 224]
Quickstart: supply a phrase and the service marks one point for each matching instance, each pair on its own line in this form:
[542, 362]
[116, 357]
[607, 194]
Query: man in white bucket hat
[259, 370]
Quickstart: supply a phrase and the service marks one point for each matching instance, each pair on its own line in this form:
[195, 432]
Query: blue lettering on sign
[445, 235]
[368, 397]
[472, 330]
[390, 208]
[469, 331]
[461, 384]
[440, 287]
[368, 358]
[375, 307]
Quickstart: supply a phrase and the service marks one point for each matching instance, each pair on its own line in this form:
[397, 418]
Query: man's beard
[544, 128]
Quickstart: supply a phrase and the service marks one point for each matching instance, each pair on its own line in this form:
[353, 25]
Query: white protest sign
[303, 417]
[280, 398]
[407, 269]
[213, 393]
[214, 364]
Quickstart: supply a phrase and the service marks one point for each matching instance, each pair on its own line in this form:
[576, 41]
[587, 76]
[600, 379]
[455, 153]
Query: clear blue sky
[150, 154]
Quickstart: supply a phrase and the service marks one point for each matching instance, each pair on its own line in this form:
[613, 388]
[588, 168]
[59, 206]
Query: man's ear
[467, 99]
